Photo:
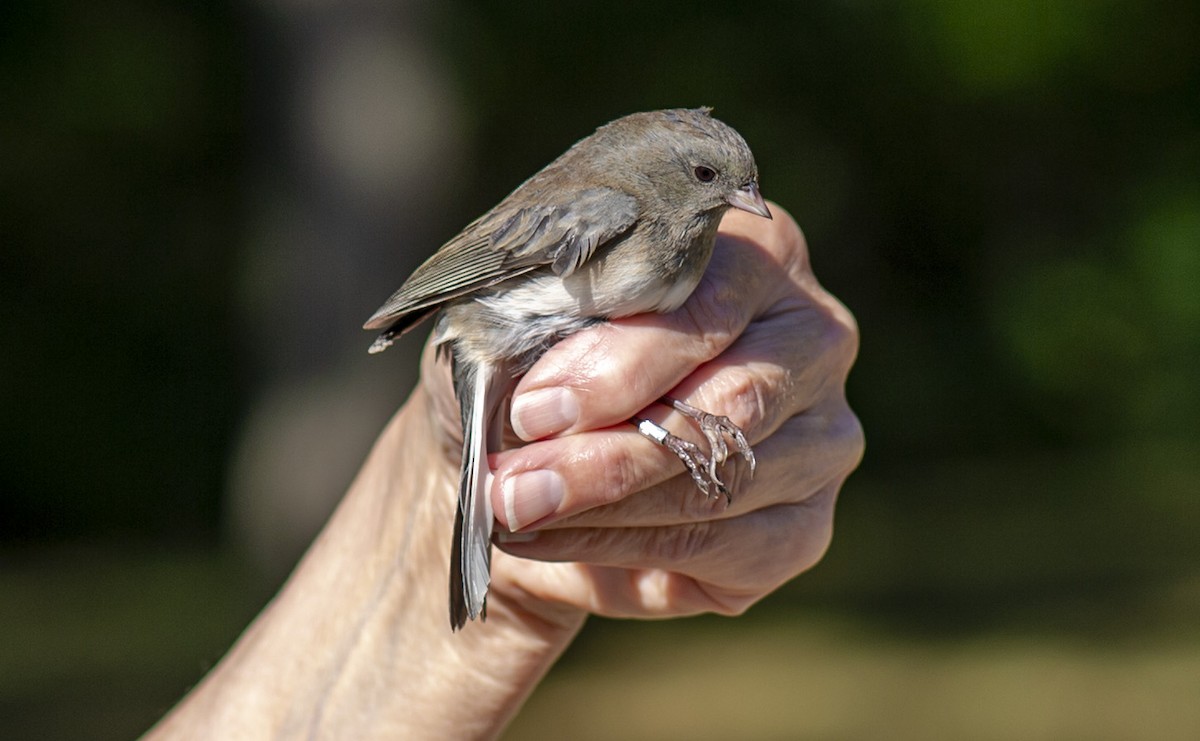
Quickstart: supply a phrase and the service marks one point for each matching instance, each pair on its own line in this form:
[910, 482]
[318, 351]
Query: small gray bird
[622, 223]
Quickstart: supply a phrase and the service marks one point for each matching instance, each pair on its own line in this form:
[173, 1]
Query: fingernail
[531, 496]
[544, 412]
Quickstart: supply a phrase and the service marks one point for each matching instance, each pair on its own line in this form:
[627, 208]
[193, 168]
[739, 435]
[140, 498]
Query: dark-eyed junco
[622, 223]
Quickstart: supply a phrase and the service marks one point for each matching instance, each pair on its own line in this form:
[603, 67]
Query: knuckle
[730, 604]
[827, 334]
[746, 394]
[813, 546]
[840, 436]
[851, 438]
[809, 540]
[845, 339]
[841, 337]
[798, 540]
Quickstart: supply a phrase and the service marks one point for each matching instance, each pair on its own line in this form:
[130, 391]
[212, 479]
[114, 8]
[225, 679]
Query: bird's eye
[704, 174]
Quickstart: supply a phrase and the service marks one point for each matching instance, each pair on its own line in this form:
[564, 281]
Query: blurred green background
[200, 203]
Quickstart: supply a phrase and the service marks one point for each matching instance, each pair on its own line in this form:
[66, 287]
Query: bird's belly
[590, 293]
[515, 321]
[520, 319]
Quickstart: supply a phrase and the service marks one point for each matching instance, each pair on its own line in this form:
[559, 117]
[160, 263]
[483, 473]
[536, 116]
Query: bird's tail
[481, 390]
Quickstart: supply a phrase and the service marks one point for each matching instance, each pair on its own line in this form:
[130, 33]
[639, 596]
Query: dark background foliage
[1006, 195]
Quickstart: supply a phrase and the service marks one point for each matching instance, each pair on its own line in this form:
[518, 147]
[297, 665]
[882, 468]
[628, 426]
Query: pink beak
[747, 198]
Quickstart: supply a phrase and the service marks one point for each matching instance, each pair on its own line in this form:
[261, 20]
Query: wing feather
[504, 243]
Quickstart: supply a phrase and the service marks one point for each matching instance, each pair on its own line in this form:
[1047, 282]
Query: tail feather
[480, 391]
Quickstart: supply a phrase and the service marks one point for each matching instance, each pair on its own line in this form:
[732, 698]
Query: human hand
[609, 522]
[356, 644]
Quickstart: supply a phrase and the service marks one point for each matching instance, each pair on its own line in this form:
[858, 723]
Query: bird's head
[684, 159]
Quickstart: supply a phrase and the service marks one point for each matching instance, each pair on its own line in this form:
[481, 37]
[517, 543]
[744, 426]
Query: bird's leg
[715, 428]
[702, 467]
[698, 464]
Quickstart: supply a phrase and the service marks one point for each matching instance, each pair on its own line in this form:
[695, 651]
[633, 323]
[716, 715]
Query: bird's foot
[702, 466]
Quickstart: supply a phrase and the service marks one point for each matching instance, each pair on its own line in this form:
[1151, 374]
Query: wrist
[358, 642]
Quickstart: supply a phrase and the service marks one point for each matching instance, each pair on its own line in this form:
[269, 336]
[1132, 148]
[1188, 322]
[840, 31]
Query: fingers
[785, 362]
[786, 370]
[612, 477]
[799, 460]
[608, 373]
[609, 522]
[679, 570]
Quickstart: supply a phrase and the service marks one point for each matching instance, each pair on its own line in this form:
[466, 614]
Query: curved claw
[702, 468]
[715, 428]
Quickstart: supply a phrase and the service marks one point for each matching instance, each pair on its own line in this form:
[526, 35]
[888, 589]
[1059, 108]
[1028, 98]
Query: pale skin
[358, 645]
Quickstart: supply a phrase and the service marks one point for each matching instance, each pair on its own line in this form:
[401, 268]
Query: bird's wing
[505, 243]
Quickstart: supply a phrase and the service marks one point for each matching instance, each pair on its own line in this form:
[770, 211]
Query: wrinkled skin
[356, 644]
[759, 341]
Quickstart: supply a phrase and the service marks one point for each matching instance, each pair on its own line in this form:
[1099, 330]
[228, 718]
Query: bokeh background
[201, 201]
